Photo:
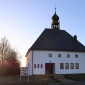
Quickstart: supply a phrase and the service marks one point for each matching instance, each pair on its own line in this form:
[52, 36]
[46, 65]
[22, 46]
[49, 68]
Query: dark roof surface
[57, 40]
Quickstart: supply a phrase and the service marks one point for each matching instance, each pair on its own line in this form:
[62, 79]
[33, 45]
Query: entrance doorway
[49, 68]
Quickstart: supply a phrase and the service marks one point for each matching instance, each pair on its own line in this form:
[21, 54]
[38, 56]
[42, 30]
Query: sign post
[23, 73]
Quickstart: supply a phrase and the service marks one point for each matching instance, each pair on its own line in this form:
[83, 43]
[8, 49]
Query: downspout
[32, 62]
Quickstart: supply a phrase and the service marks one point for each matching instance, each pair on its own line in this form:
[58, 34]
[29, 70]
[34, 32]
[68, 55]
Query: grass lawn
[34, 80]
[78, 77]
[41, 79]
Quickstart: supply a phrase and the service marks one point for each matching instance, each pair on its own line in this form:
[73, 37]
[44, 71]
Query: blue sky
[22, 21]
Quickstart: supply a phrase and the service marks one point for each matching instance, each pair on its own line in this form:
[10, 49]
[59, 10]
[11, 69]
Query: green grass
[41, 79]
[78, 77]
[34, 80]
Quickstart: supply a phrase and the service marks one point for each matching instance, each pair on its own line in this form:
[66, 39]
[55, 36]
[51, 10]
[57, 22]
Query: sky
[22, 21]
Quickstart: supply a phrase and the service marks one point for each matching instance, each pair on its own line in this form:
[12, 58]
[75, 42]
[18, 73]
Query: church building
[55, 52]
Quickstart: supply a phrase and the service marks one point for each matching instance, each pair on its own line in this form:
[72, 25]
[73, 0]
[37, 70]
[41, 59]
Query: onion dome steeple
[55, 21]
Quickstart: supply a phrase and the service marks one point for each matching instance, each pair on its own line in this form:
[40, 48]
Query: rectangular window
[71, 65]
[34, 65]
[41, 65]
[37, 65]
[61, 65]
[66, 65]
[77, 65]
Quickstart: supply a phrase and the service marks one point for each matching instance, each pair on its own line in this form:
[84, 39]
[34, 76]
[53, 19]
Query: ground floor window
[71, 65]
[77, 65]
[41, 65]
[37, 65]
[66, 65]
[61, 65]
[34, 65]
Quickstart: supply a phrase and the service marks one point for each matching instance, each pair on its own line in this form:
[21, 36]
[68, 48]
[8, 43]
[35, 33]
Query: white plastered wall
[41, 57]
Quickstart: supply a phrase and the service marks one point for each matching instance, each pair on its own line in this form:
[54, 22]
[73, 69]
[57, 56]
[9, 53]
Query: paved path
[69, 83]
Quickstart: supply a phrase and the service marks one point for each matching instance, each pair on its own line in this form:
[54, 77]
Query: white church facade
[55, 52]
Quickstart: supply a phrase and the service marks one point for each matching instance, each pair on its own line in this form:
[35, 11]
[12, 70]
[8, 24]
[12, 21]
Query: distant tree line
[9, 59]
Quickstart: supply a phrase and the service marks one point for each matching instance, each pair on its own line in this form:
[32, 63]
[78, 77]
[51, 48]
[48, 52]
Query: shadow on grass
[76, 77]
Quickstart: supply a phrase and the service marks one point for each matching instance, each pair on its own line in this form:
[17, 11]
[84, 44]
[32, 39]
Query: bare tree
[12, 58]
[9, 58]
[5, 49]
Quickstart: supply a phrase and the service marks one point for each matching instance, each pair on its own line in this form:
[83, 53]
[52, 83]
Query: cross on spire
[55, 8]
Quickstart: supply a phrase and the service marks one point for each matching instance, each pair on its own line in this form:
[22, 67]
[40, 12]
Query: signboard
[24, 71]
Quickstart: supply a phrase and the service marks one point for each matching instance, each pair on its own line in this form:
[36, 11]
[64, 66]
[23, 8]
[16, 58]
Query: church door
[49, 68]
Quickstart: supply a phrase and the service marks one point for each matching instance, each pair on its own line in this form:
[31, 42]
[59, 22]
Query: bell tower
[55, 21]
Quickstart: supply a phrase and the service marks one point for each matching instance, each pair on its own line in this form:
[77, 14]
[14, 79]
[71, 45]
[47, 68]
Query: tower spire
[55, 21]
